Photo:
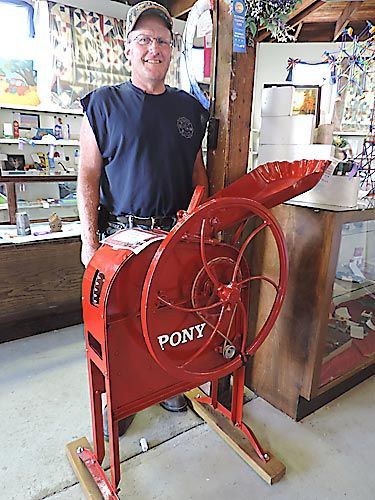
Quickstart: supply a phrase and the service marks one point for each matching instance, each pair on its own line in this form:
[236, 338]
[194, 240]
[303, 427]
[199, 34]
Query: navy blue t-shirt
[149, 144]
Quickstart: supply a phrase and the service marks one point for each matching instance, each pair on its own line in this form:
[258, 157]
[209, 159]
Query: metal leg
[114, 451]
[235, 414]
[237, 395]
[214, 391]
[97, 473]
[96, 381]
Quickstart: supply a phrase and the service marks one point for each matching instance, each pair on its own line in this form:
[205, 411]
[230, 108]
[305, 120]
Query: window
[16, 30]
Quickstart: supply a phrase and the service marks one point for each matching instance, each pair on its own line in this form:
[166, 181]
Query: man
[140, 143]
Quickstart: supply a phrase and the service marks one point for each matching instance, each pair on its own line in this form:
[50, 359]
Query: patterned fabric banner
[88, 52]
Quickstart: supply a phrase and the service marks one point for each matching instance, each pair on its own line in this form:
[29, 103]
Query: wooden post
[12, 201]
[232, 84]
[233, 92]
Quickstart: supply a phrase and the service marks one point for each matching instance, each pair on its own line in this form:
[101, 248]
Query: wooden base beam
[86, 481]
[271, 471]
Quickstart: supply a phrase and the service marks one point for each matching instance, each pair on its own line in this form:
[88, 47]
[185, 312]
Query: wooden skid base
[271, 471]
[87, 483]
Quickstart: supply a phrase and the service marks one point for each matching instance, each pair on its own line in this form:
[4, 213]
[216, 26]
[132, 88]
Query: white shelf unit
[43, 109]
[30, 192]
[40, 142]
[353, 133]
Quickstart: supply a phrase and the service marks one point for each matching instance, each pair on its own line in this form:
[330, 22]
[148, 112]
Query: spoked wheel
[195, 298]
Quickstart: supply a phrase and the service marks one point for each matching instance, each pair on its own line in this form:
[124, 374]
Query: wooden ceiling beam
[344, 18]
[179, 7]
[298, 30]
[310, 7]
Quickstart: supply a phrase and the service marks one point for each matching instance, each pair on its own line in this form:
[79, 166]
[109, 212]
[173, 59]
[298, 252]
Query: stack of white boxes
[287, 137]
[284, 136]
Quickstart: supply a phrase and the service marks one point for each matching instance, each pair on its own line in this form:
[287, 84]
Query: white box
[277, 101]
[291, 152]
[297, 129]
[338, 190]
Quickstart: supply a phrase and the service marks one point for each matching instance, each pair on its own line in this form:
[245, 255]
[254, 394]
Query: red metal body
[166, 312]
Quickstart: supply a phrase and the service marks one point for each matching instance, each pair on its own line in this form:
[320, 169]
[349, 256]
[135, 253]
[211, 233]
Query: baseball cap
[135, 12]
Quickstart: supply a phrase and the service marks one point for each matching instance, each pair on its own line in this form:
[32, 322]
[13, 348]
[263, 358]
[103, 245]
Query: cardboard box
[297, 129]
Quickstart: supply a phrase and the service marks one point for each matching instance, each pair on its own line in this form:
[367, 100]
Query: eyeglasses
[145, 40]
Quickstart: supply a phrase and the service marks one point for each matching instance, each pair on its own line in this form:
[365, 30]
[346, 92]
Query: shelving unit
[58, 142]
[11, 182]
[23, 191]
[42, 109]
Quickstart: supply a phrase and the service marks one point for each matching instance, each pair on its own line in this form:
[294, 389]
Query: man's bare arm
[199, 174]
[90, 168]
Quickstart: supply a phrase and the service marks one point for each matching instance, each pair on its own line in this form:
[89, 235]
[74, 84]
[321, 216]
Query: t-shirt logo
[185, 127]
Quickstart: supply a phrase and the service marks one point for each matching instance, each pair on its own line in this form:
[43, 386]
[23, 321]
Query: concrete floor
[44, 405]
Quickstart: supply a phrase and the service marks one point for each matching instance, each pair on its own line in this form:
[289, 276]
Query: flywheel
[196, 295]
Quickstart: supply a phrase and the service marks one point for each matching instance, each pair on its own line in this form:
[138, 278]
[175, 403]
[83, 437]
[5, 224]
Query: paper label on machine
[135, 240]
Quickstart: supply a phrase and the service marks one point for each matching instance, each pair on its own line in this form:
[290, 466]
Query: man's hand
[200, 175]
[87, 251]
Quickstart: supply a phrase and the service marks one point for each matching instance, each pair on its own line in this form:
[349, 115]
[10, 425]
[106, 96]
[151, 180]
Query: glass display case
[323, 342]
[38, 196]
[350, 340]
[39, 156]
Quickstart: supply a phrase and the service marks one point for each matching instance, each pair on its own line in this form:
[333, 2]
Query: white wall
[271, 63]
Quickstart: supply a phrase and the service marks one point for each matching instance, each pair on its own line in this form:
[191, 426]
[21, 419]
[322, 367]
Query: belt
[151, 222]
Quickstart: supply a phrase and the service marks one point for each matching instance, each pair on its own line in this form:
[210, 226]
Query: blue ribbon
[239, 26]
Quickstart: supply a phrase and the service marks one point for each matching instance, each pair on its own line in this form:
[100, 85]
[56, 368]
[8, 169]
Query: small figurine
[55, 223]
[16, 129]
[59, 129]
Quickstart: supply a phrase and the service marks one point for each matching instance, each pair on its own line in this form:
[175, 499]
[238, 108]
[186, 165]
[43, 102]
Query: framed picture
[305, 101]
[29, 121]
[14, 162]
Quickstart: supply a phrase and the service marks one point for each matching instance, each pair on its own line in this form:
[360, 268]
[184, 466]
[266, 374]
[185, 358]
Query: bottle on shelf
[76, 157]
[58, 132]
[66, 131]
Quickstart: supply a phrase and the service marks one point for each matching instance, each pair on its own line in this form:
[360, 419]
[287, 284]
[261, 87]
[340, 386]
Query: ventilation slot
[96, 289]
[95, 345]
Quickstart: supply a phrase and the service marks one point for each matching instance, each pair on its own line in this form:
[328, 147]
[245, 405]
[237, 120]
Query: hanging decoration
[89, 52]
[354, 60]
[354, 69]
[366, 160]
[271, 15]
[198, 9]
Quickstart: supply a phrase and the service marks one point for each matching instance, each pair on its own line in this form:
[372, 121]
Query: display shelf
[43, 109]
[60, 203]
[39, 232]
[36, 142]
[354, 133]
[37, 178]
[13, 204]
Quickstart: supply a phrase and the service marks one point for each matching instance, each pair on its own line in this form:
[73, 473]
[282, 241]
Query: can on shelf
[23, 224]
